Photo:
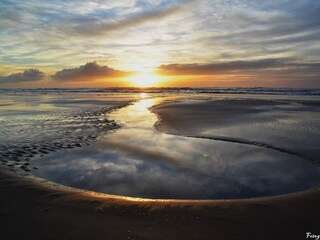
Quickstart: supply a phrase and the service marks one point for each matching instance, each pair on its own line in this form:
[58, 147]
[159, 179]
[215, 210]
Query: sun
[144, 80]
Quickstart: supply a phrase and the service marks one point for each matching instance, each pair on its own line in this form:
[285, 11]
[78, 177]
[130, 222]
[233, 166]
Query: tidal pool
[139, 161]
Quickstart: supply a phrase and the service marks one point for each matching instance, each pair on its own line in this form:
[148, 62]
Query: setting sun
[144, 80]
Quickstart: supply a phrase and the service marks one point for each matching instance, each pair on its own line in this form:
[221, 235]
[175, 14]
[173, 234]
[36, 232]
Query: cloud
[276, 24]
[91, 27]
[220, 67]
[265, 72]
[88, 71]
[26, 76]
[9, 18]
[136, 34]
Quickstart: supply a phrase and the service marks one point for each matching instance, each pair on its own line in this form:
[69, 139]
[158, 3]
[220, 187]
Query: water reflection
[138, 161]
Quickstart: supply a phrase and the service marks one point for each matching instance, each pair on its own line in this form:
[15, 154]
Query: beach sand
[286, 125]
[33, 208]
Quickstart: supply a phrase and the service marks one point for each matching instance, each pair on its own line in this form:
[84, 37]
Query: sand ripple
[23, 140]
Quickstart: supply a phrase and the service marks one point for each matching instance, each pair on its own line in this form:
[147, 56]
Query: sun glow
[144, 80]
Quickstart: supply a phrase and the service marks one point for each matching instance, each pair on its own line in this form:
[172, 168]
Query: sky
[177, 43]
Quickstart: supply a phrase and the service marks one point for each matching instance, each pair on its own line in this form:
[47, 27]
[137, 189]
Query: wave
[263, 91]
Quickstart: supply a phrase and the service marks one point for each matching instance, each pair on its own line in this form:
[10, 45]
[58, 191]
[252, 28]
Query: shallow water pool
[138, 161]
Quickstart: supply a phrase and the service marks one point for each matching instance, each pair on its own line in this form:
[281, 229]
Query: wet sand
[40, 210]
[285, 125]
[36, 125]
[34, 208]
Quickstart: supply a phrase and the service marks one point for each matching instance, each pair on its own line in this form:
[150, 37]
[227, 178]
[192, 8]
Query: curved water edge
[138, 161]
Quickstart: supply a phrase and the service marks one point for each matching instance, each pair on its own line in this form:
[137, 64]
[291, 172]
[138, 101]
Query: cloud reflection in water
[138, 161]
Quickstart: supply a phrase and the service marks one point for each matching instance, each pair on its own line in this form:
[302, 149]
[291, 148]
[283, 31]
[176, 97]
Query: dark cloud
[220, 67]
[94, 26]
[26, 76]
[88, 71]
[280, 72]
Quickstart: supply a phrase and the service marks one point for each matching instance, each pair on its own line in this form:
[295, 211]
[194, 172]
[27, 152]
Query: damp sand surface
[43, 209]
[33, 125]
[284, 124]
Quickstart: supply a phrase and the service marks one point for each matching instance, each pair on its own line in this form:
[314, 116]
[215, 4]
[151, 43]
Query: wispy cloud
[9, 18]
[92, 27]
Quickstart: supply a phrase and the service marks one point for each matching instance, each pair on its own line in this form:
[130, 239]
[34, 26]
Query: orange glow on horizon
[145, 79]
